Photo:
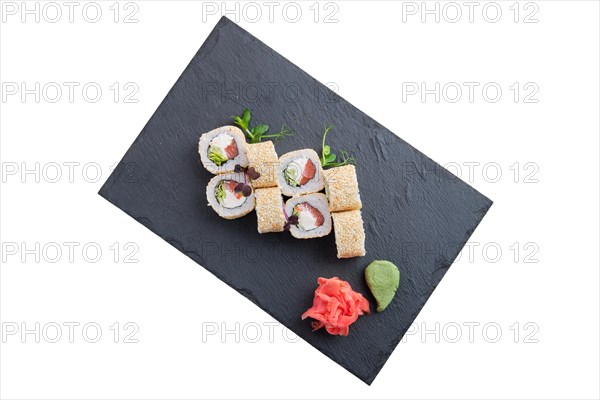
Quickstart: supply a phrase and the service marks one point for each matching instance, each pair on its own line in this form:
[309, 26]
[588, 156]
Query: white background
[545, 287]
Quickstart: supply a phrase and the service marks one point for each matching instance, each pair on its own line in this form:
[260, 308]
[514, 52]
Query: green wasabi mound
[383, 279]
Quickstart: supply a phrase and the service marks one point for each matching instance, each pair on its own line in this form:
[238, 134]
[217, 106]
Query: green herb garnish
[220, 192]
[328, 159]
[258, 133]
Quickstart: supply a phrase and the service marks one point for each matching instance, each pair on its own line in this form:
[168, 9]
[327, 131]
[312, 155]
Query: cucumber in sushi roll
[308, 216]
[225, 200]
[222, 148]
[300, 172]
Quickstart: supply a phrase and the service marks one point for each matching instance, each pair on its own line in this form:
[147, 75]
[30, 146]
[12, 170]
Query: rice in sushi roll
[300, 172]
[222, 148]
[341, 188]
[269, 210]
[349, 234]
[263, 158]
[312, 213]
[222, 197]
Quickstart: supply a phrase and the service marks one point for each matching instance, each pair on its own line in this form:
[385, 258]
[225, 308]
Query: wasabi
[383, 279]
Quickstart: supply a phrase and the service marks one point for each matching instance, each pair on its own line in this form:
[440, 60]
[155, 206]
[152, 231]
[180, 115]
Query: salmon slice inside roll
[310, 215]
[224, 199]
[300, 173]
[222, 148]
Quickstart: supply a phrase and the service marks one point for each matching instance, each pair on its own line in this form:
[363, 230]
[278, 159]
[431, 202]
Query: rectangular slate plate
[416, 214]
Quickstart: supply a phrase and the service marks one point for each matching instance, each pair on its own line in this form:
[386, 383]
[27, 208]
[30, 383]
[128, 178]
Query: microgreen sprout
[293, 220]
[258, 132]
[328, 159]
[289, 220]
[243, 187]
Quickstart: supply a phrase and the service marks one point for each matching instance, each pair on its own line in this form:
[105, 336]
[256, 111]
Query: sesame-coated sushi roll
[263, 158]
[225, 200]
[222, 148]
[300, 172]
[349, 234]
[341, 188]
[269, 210]
[310, 216]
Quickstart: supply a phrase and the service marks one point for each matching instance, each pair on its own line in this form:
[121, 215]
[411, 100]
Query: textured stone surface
[416, 214]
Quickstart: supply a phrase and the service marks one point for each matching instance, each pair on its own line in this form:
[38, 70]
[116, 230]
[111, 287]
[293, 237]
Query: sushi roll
[269, 210]
[300, 172]
[222, 197]
[341, 188]
[263, 158]
[312, 214]
[222, 148]
[349, 234]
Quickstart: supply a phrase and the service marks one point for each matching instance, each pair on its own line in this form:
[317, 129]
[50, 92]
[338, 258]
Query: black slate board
[416, 213]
